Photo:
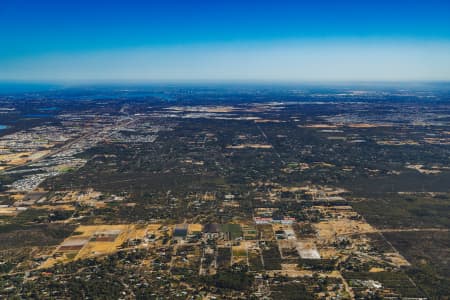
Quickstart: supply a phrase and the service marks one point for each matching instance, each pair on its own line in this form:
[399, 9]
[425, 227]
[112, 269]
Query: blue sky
[190, 40]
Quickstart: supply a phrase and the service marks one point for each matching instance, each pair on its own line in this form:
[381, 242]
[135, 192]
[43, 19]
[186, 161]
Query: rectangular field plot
[254, 260]
[271, 256]
[395, 284]
[265, 232]
[90, 241]
[223, 257]
[73, 244]
[307, 250]
[239, 254]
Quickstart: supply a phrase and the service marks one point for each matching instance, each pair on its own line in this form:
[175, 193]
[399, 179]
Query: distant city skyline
[137, 41]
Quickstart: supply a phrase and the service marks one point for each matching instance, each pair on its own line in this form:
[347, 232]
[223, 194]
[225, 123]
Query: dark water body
[37, 116]
[53, 108]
